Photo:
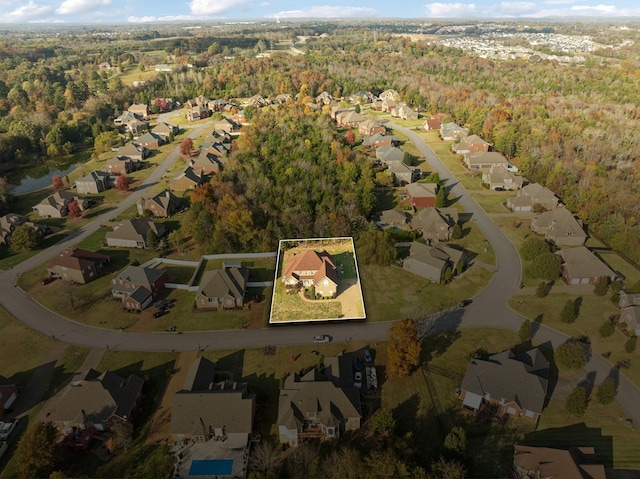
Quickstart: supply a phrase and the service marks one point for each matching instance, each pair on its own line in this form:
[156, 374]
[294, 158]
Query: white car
[357, 380]
[6, 428]
[324, 338]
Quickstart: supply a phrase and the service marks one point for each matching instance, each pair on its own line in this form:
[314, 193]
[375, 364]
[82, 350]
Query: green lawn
[290, 307]
[177, 274]
[618, 263]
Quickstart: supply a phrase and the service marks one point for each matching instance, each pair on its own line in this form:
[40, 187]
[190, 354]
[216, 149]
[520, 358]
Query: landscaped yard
[291, 307]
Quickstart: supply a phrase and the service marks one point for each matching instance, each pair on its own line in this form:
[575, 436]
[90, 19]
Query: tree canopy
[403, 349]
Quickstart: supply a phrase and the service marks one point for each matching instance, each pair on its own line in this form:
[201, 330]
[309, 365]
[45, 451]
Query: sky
[150, 11]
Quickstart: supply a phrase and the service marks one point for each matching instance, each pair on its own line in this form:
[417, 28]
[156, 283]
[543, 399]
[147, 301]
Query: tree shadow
[535, 325]
[546, 349]
[588, 383]
[577, 304]
[435, 345]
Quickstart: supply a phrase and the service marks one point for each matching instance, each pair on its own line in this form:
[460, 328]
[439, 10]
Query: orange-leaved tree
[403, 350]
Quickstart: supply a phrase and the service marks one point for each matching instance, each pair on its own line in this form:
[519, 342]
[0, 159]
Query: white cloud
[327, 11]
[167, 18]
[72, 7]
[558, 2]
[518, 8]
[587, 11]
[28, 13]
[451, 9]
[213, 7]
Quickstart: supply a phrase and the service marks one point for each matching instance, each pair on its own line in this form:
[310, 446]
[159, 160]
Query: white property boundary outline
[280, 255]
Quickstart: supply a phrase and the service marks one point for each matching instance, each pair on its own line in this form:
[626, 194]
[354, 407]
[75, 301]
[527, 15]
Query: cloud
[28, 13]
[587, 11]
[518, 8]
[166, 18]
[213, 7]
[451, 9]
[558, 2]
[72, 7]
[327, 11]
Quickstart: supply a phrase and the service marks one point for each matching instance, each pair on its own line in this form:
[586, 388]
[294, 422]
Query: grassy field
[290, 307]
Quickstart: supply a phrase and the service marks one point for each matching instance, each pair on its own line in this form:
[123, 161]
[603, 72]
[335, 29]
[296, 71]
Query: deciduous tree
[122, 183]
[56, 183]
[577, 402]
[403, 349]
[525, 331]
[25, 237]
[37, 454]
[568, 313]
[74, 210]
[570, 355]
[533, 247]
[606, 392]
[186, 148]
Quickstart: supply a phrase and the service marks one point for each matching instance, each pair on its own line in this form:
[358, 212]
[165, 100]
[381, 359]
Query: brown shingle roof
[78, 259]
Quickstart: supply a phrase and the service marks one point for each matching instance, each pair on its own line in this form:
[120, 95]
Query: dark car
[464, 303]
[159, 313]
[367, 356]
[358, 363]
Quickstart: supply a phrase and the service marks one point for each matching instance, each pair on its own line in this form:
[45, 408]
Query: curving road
[489, 308]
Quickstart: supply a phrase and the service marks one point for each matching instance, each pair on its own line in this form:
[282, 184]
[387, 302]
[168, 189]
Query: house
[209, 161]
[370, 127]
[436, 224]
[8, 394]
[403, 173]
[222, 289]
[581, 266]
[121, 165]
[162, 205]
[324, 98]
[197, 101]
[133, 233]
[500, 178]
[319, 404]
[389, 94]
[452, 132]
[432, 124]
[378, 140]
[484, 161]
[310, 268]
[10, 221]
[165, 130]
[390, 218]
[536, 462]
[515, 385]
[432, 262]
[138, 286]
[470, 144]
[94, 183]
[133, 123]
[405, 112]
[139, 110]
[421, 195]
[389, 105]
[104, 66]
[631, 317]
[78, 265]
[162, 67]
[337, 109]
[189, 179]
[258, 101]
[95, 401]
[133, 151]
[56, 205]
[284, 98]
[531, 195]
[208, 407]
[388, 154]
[560, 227]
[350, 119]
[226, 124]
[197, 112]
[626, 299]
[151, 140]
[362, 96]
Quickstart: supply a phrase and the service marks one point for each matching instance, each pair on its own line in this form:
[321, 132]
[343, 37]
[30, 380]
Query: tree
[546, 266]
[456, 440]
[56, 183]
[541, 290]
[602, 286]
[441, 197]
[606, 392]
[568, 313]
[186, 148]
[456, 232]
[350, 138]
[265, 460]
[375, 247]
[444, 469]
[151, 239]
[383, 423]
[74, 210]
[525, 331]
[37, 454]
[630, 345]
[577, 402]
[122, 183]
[570, 355]
[607, 329]
[122, 435]
[176, 238]
[403, 350]
[25, 238]
[533, 247]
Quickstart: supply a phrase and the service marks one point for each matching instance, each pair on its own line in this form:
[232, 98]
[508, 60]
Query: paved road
[489, 308]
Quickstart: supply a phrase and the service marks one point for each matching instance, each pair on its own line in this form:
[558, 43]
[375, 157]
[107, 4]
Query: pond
[35, 177]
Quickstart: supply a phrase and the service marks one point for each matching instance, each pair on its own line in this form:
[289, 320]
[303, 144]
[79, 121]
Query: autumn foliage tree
[122, 183]
[37, 453]
[56, 183]
[403, 350]
[74, 209]
[186, 148]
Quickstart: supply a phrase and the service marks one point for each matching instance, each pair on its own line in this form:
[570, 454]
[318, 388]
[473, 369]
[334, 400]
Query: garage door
[511, 410]
[585, 281]
[575, 281]
[529, 414]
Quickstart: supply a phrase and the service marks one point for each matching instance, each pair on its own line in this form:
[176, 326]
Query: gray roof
[140, 275]
[560, 223]
[420, 190]
[136, 229]
[580, 262]
[522, 380]
[388, 154]
[428, 219]
[94, 177]
[221, 282]
[150, 138]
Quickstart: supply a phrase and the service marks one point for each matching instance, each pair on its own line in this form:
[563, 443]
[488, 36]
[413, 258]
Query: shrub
[570, 355]
[606, 392]
[533, 247]
[601, 287]
[546, 266]
[606, 329]
[568, 313]
[541, 291]
[630, 345]
[577, 402]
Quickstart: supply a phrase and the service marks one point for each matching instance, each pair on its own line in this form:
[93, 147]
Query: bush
[568, 313]
[606, 392]
[601, 287]
[541, 291]
[546, 266]
[630, 345]
[570, 355]
[533, 247]
[606, 329]
[577, 402]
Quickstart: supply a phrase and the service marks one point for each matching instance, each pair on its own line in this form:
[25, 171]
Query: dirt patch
[257, 315]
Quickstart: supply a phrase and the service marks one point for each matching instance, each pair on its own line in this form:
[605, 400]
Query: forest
[573, 128]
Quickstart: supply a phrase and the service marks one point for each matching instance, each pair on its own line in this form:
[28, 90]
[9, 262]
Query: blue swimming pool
[211, 467]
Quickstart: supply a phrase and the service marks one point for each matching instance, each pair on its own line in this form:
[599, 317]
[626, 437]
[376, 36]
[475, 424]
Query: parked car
[367, 356]
[6, 428]
[159, 313]
[358, 363]
[357, 380]
[464, 303]
[323, 338]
